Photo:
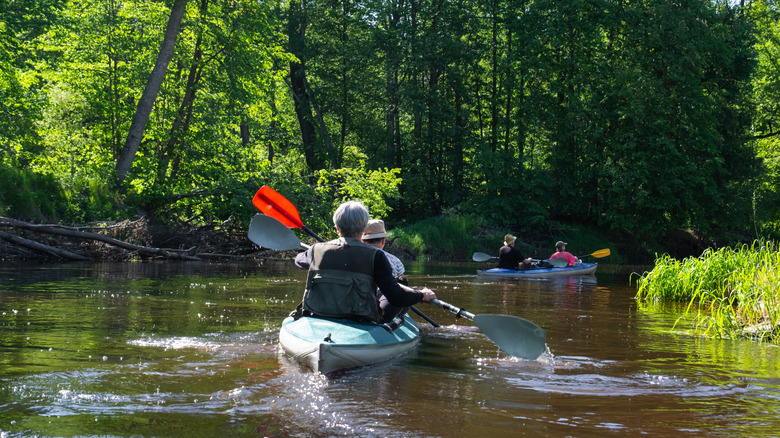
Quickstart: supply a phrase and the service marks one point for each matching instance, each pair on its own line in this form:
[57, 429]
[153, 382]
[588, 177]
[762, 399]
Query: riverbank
[449, 238]
[457, 238]
[124, 240]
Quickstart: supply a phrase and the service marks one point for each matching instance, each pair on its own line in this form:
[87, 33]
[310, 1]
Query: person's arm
[397, 294]
[520, 259]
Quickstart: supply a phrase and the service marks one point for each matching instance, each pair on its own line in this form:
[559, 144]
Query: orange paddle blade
[270, 202]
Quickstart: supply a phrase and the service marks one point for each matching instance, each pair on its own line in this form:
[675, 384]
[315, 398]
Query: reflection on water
[148, 349]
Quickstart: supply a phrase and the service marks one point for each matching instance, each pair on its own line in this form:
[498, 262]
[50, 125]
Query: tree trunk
[391, 72]
[494, 85]
[146, 102]
[509, 91]
[175, 146]
[296, 34]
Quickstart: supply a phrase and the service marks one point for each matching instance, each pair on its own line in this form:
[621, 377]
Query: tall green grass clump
[734, 292]
[30, 196]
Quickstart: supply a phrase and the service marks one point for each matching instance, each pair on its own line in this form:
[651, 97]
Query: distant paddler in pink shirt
[561, 253]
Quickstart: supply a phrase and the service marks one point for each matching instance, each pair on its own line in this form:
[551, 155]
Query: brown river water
[188, 350]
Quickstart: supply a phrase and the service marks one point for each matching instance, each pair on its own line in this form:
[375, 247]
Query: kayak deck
[581, 269]
[329, 344]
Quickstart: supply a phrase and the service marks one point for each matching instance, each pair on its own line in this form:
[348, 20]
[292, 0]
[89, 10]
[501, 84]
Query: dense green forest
[634, 116]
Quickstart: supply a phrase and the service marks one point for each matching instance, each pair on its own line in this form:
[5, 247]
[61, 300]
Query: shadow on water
[191, 350]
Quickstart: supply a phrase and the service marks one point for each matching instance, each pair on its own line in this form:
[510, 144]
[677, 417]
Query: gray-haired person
[344, 274]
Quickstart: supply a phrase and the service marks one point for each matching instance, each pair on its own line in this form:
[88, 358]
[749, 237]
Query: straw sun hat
[509, 239]
[375, 229]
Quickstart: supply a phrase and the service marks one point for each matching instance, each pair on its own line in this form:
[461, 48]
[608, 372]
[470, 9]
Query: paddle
[482, 257]
[562, 263]
[517, 336]
[284, 213]
[556, 263]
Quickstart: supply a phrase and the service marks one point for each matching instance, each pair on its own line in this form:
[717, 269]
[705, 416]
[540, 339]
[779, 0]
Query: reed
[733, 292]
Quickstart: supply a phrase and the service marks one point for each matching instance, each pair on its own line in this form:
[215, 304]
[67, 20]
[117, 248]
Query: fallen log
[61, 230]
[39, 247]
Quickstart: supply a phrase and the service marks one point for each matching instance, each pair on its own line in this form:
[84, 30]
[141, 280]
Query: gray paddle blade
[268, 232]
[516, 336]
[481, 257]
[558, 263]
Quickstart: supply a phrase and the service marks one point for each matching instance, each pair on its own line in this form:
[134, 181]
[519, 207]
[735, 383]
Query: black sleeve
[396, 294]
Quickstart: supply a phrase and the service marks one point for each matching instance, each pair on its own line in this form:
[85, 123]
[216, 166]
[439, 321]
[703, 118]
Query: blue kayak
[329, 344]
[581, 269]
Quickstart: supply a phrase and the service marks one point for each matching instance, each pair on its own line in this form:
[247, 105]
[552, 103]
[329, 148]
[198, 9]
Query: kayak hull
[326, 345]
[581, 269]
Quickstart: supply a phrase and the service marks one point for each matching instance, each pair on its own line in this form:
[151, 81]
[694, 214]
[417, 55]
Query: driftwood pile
[125, 240]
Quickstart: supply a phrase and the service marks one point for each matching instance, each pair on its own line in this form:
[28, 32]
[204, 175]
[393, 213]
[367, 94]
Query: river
[190, 349]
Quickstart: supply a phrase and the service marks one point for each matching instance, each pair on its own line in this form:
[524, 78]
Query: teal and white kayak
[328, 344]
[581, 269]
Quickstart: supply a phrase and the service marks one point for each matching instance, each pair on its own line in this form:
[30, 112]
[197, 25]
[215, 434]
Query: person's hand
[428, 295]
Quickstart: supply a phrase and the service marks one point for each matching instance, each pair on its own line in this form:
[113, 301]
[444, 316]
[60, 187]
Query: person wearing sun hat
[510, 257]
[561, 253]
[376, 235]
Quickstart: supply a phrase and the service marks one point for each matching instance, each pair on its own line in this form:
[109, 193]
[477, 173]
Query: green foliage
[443, 237]
[732, 291]
[505, 203]
[317, 203]
[627, 115]
[666, 163]
[21, 22]
[372, 188]
[766, 86]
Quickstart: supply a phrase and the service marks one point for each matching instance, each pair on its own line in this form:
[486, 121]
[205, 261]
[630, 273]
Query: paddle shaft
[456, 310]
[424, 316]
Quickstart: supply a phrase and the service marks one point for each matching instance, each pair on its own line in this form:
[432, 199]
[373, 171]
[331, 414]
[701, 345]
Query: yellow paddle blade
[601, 253]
